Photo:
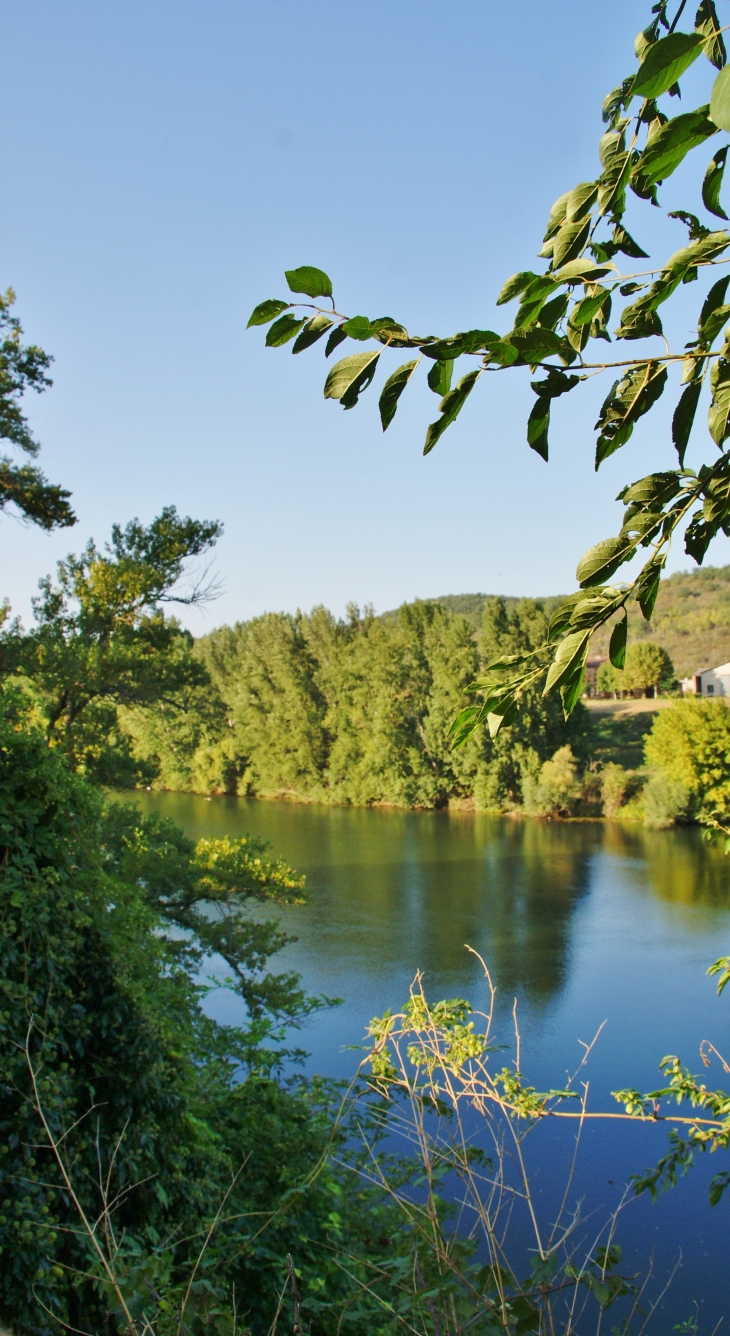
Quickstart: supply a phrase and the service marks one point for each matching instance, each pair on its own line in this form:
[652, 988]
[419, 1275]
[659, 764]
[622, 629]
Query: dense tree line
[307, 706]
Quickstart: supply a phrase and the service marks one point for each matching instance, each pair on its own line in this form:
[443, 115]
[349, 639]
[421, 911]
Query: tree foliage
[165, 1118]
[24, 367]
[354, 711]
[102, 638]
[562, 320]
[690, 746]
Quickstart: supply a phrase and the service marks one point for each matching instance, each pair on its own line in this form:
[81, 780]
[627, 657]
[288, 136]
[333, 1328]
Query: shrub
[615, 783]
[689, 745]
[556, 790]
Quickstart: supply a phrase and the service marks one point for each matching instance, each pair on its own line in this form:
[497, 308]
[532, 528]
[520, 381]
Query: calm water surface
[580, 922]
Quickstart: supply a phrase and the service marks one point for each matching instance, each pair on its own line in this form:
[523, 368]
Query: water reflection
[395, 891]
[584, 922]
[678, 866]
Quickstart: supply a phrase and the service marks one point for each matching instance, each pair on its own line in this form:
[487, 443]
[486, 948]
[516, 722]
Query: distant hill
[691, 620]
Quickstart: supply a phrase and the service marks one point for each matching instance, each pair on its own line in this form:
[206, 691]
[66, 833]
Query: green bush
[557, 790]
[106, 919]
[689, 745]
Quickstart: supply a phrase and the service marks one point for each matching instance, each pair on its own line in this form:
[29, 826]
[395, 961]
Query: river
[580, 922]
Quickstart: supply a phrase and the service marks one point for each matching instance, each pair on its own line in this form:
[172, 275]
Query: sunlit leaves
[358, 327]
[665, 62]
[712, 184]
[537, 427]
[580, 271]
[312, 331]
[648, 585]
[349, 377]
[555, 383]
[670, 146]
[392, 391]
[337, 337]
[718, 418]
[684, 416]
[602, 560]
[720, 100]
[700, 251]
[312, 282]
[570, 241]
[629, 399]
[266, 312]
[439, 377]
[708, 24]
[450, 407]
[283, 330]
[537, 344]
[569, 656]
[617, 644]
[515, 285]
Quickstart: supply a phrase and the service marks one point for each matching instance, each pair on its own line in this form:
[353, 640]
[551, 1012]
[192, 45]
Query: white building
[710, 682]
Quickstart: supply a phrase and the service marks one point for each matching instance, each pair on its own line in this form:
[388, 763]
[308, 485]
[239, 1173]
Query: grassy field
[618, 729]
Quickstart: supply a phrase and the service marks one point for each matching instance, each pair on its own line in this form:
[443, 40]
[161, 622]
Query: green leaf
[570, 241]
[626, 243]
[358, 327]
[313, 282]
[313, 330]
[684, 416]
[349, 377]
[283, 330]
[501, 717]
[655, 490]
[571, 689]
[628, 400]
[450, 407]
[439, 377]
[580, 200]
[700, 251]
[584, 310]
[514, 286]
[670, 145]
[266, 311]
[392, 391]
[470, 341]
[719, 414]
[580, 271]
[570, 652]
[648, 585]
[537, 427]
[665, 62]
[713, 182]
[600, 562]
[337, 337]
[617, 646]
[553, 311]
[560, 619]
[464, 724]
[714, 298]
[720, 100]
[707, 23]
[535, 345]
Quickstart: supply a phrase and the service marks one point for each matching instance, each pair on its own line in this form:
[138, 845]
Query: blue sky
[165, 162]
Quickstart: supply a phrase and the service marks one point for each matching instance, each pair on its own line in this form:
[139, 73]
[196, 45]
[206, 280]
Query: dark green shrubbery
[156, 1110]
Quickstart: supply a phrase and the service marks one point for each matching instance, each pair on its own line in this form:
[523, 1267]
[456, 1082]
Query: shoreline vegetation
[356, 712]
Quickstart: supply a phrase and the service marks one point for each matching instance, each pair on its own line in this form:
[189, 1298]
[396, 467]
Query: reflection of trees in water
[678, 865]
[535, 874]
[397, 889]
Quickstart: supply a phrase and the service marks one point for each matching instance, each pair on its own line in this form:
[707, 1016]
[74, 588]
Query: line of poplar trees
[310, 707]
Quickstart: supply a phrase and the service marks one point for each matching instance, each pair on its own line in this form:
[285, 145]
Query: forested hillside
[691, 620]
